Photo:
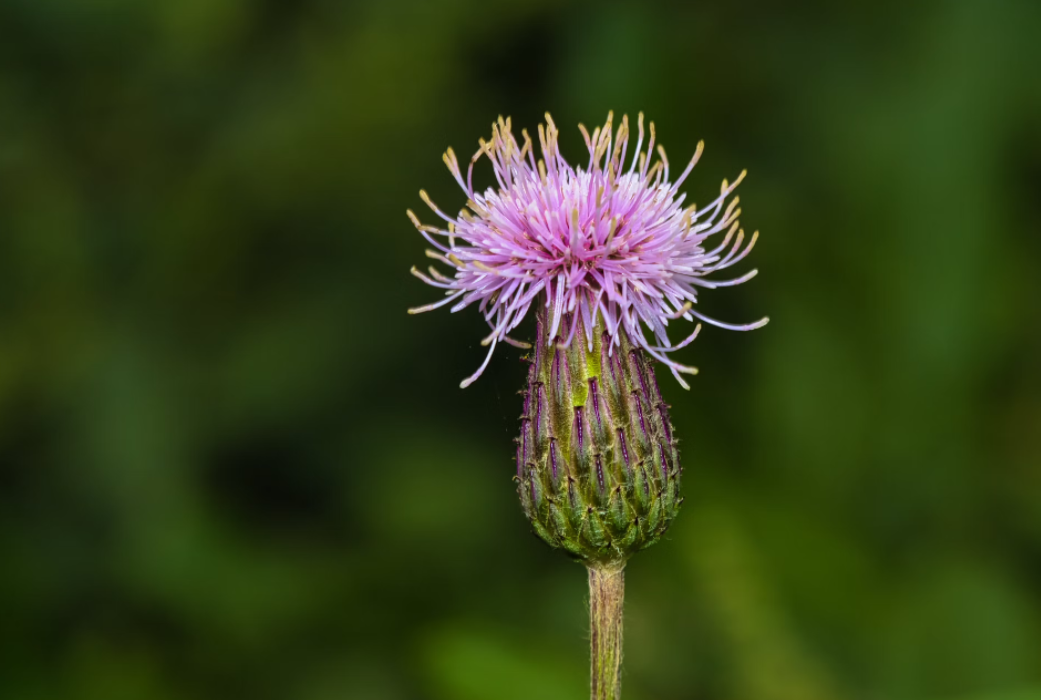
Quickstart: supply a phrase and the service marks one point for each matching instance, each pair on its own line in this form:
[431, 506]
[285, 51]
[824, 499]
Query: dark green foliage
[598, 472]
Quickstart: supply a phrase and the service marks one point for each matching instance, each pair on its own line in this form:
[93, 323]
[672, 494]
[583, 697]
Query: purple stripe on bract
[639, 411]
[557, 360]
[553, 457]
[665, 421]
[664, 465]
[579, 437]
[538, 408]
[594, 395]
[599, 473]
[654, 383]
[617, 364]
[638, 368]
[625, 451]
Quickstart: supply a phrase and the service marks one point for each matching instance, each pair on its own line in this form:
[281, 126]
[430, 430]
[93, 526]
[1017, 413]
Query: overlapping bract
[608, 242]
[598, 471]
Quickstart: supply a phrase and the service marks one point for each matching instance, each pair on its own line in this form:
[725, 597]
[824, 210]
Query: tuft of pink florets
[602, 242]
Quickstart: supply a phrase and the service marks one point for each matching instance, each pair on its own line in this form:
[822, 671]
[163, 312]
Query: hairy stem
[606, 593]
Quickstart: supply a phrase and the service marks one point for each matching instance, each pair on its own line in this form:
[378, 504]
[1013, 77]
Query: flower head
[610, 242]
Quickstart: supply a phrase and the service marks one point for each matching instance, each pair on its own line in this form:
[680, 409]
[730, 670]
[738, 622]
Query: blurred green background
[232, 466]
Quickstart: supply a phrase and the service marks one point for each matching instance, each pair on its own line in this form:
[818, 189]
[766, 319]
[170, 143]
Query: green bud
[598, 472]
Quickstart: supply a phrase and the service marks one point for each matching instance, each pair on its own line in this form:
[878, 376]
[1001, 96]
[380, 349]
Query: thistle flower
[605, 253]
[610, 242]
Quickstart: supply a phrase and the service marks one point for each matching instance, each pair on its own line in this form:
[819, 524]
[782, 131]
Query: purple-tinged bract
[610, 242]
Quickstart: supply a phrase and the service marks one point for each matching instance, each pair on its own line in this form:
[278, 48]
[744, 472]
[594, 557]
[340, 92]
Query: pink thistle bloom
[604, 242]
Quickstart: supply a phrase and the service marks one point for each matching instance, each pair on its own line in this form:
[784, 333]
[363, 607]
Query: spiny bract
[598, 472]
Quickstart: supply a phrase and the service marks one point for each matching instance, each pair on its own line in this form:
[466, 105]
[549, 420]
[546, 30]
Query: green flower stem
[606, 594]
